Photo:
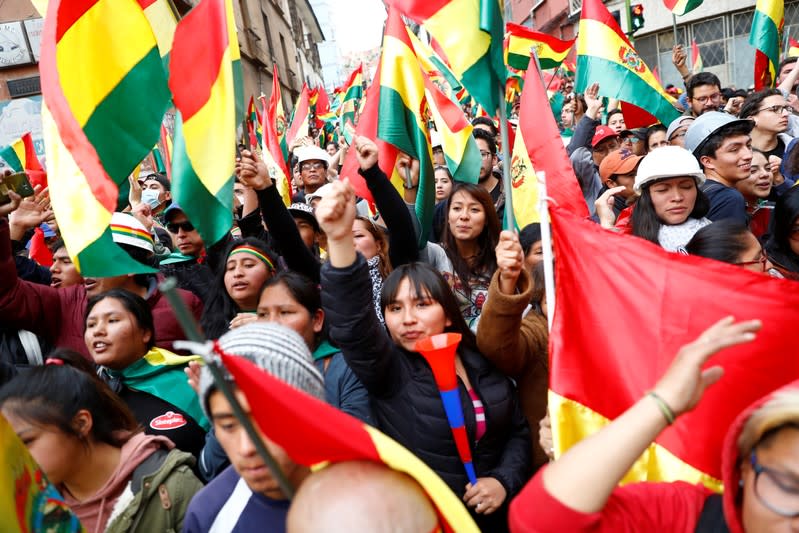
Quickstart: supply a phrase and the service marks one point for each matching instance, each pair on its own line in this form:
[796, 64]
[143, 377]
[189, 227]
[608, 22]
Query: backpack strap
[711, 520]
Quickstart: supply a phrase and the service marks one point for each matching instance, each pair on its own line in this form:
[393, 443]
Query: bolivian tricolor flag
[276, 115]
[105, 93]
[605, 56]
[538, 147]
[766, 37]
[681, 7]
[203, 87]
[20, 155]
[551, 51]
[469, 33]
[353, 92]
[402, 103]
[315, 434]
[432, 64]
[696, 58]
[298, 125]
[460, 148]
[271, 152]
[595, 378]
[254, 122]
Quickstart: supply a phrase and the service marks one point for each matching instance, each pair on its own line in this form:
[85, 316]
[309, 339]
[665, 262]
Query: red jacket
[58, 314]
[663, 507]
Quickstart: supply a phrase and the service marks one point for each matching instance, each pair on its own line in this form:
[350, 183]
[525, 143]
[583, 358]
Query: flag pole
[507, 184]
[674, 26]
[197, 343]
[546, 245]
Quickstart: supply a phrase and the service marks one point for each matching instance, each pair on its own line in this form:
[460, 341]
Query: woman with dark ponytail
[113, 476]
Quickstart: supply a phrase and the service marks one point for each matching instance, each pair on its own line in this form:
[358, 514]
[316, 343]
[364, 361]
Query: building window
[285, 53]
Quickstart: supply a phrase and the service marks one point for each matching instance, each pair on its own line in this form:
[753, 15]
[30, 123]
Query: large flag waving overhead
[605, 55]
[402, 103]
[353, 92]
[163, 22]
[653, 302]
[681, 7]
[469, 32]
[550, 50]
[204, 90]
[766, 37]
[105, 94]
[314, 433]
[539, 147]
[271, 152]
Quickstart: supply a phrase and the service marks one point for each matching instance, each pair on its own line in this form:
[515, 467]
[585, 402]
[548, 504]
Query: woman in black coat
[417, 303]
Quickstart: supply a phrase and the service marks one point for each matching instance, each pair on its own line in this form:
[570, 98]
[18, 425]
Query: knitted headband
[247, 249]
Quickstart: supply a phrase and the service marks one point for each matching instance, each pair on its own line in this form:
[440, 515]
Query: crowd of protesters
[332, 295]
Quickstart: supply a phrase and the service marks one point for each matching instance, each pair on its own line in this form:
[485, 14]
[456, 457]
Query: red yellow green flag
[766, 37]
[402, 103]
[696, 58]
[298, 125]
[469, 32]
[551, 51]
[538, 147]
[353, 92]
[315, 434]
[681, 7]
[460, 148]
[99, 62]
[605, 55]
[271, 152]
[276, 115]
[204, 90]
[163, 21]
[20, 155]
[254, 122]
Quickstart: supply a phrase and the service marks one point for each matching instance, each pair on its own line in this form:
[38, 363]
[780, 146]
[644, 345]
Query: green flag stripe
[10, 157]
[125, 125]
[103, 255]
[765, 36]
[634, 89]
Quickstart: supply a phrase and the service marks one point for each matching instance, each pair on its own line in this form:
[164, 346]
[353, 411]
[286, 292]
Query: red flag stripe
[205, 19]
[420, 10]
[69, 13]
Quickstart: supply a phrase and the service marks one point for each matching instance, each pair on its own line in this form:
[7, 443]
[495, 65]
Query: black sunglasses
[175, 227]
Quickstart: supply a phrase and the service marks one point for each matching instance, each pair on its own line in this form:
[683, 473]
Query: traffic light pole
[629, 12]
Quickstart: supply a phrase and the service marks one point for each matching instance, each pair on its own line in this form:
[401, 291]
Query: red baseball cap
[602, 133]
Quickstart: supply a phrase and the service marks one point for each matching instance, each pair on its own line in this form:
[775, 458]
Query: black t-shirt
[162, 418]
[778, 150]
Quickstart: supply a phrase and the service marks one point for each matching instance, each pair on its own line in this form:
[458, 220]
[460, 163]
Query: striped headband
[137, 237]
[247, 249]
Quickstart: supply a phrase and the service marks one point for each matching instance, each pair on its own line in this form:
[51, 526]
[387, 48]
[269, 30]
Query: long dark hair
[51, 395]
[219, 307]
[724, 241]
[786, 211]
[486, 261]
[133, 303]
[303, 290]
[427, 280]
[645, 221]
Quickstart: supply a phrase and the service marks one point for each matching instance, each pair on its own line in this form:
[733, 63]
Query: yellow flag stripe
[394, 74]
[466, 46]
[212, 155]
[96, 49]
[572, 422]
[163, 22]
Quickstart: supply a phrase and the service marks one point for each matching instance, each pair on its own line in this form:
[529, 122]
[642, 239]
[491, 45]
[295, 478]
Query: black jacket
[406, 400]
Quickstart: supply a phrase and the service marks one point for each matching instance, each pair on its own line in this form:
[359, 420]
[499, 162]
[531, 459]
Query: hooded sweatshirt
[662, 507]
[94, 512]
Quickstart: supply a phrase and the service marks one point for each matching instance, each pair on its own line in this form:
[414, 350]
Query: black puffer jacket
[406, 400]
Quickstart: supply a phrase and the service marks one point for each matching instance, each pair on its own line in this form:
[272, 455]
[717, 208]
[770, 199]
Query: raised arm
[622, 441]
[253, 173]
[584, 129]
[347, 298]
[402, 241]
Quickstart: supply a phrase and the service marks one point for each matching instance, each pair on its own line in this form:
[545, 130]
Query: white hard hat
[667, 162]
[706, 125]
[311, 153]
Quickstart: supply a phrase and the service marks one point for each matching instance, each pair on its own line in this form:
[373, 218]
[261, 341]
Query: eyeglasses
[761, 260]
[778, 109]
[631, 140]
[175, 227]
[715, 97]
[485, 155]
[777, 491]
[316, 165]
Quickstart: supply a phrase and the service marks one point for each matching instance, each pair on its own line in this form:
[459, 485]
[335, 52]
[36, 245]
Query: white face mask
[150, 196]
